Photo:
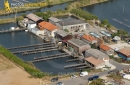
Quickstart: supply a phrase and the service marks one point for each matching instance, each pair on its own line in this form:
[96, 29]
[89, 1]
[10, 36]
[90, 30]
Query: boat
[26, 30]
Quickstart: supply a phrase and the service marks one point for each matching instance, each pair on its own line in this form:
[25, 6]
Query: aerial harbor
[64, 42]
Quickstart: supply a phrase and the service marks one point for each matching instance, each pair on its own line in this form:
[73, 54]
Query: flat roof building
[78, 45]
[97, 54]
[33, 17]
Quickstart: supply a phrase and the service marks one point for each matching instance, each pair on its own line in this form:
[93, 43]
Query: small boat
[26, 30]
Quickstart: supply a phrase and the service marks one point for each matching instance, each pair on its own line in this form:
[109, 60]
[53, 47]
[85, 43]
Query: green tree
[97, 82]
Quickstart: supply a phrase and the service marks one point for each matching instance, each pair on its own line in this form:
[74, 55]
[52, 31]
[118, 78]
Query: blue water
[52, 8]
[114, 9]
[22, 38]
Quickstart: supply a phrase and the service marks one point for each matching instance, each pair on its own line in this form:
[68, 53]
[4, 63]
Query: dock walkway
[6, 31]
[75, 65]
[34, 50]
[50, 57]
[71, 60]
[34, 45]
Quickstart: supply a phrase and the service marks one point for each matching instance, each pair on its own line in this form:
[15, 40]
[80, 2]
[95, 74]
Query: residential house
[89, 39]
[106, 49]
[77, 46]
[62, 36]
[95, 62]
[97, 54]
[49, 29]
[124, 53]
[34, 18]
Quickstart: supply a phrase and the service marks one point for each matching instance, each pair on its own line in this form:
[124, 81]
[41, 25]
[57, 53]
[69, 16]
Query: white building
[72, 25]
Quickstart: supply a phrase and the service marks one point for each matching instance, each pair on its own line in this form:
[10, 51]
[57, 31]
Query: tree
[97, 82]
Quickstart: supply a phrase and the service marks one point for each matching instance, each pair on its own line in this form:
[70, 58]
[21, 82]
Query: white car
[127, 76]
[73, 76]
[60, 83]
[85, 73]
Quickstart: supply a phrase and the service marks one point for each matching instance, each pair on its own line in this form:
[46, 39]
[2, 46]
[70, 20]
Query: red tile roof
[125, 52]
[104, 47]
[94, 61]
[88, 37]
[46, 25]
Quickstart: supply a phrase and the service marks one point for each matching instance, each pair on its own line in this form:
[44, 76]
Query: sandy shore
[10, 74]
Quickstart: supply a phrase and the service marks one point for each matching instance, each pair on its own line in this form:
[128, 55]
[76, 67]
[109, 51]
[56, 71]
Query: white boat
[26, 30]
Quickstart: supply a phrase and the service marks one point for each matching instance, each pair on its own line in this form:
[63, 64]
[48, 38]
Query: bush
[83, 14]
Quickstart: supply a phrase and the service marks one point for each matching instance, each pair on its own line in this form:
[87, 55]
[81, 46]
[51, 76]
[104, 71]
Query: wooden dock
[71, 60]
[28, 53]
[36, 58]
[75, 65]
[34, 45]
[81, 67]
[7, 31]
[34, 50]
[50, 57]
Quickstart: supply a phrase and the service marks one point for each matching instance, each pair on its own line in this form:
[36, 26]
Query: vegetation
[29, 68]
[97, 82]
[105, 23]
[122, 33]
[83, 14]
[115, 76]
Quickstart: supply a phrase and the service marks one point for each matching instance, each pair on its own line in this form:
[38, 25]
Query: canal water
[116, 11]
[22, 38]
[52, 8]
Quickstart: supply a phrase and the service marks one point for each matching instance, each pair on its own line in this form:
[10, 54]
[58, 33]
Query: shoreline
[95, 3]
[29, 9]
[46, 6]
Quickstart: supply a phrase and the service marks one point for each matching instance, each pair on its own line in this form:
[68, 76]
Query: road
[83, 80]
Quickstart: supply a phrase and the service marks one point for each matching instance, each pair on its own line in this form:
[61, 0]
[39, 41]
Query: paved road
[83, 80]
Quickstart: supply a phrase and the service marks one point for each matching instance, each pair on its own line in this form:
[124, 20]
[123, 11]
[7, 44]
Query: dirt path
[10, 74]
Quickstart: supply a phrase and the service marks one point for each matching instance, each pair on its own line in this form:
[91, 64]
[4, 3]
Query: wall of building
[109, 52]
[31, 26]
[100, 65]
[73, 28]
[53, 33]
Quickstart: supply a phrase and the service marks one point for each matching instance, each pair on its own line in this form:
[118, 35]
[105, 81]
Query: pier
[36, 58]
[75, 65]
[34, 45]
[72, 60]
[81, 67]
[62, 55]
[6, 31]
[34, 50]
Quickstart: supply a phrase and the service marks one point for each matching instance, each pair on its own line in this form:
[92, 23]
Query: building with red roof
[124, 53]
[49, 29]
[95, 62]
[88, 39]
[106, 49]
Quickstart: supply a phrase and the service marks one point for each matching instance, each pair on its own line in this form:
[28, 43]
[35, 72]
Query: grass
[27, 67]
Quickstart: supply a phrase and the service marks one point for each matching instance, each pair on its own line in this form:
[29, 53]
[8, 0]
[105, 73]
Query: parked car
[93, 78]
[60, 83]
[54, 79]
[85, 73]
[73, 76]
[126, 76]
